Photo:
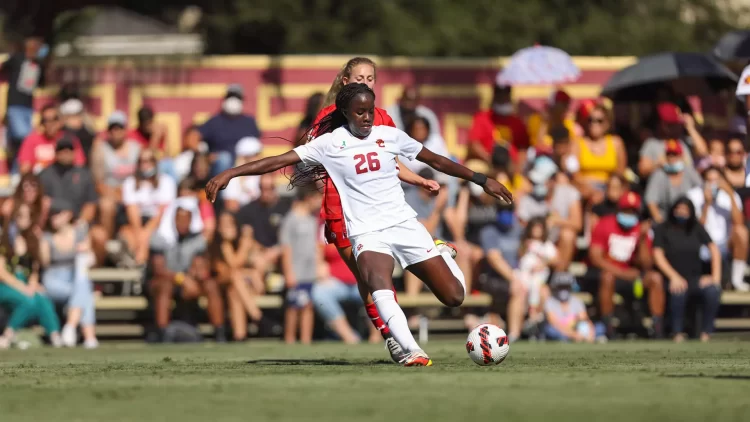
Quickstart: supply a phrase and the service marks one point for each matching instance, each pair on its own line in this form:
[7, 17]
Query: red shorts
[335, 233]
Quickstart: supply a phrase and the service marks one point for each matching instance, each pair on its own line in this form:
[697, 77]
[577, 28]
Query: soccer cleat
[397, 353]
[417, 358]
[444, 246]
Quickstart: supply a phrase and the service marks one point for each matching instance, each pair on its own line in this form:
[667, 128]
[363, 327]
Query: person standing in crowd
[65, 257]
[148, 133]
[498, 126]
[555, 115]
[25, 72]
[409, 107]
[298, 238]
[222, 131]
[242, 191]
[559, 203]
[312, 108]
[670, 182]
[620, 252]
[20, 289]
[719, 210]
[38, 149]
[600, 154]
[736, 162]
[114, 159]
[76, 124]
[672, 126]
[264, 215]
[145, 195]
[179, 267]
[684, 252]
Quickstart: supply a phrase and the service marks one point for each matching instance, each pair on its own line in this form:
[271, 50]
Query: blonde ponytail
[345, 72]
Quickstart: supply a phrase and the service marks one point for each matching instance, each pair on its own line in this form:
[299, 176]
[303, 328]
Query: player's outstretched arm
[262, 166]
[408, 176]
[447, 166]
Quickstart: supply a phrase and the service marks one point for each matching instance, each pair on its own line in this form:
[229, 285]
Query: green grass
[538, 382]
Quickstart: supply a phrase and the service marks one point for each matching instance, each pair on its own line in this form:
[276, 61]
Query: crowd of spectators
[668, 228]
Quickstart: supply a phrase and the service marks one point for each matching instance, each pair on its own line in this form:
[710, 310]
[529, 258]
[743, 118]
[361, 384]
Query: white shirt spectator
[148, 198]
[243, 189]
[719, 214]
[395, 112]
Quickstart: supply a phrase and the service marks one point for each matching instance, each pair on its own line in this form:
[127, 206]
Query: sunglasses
[593, 120]
[735, 151]
[50, 120]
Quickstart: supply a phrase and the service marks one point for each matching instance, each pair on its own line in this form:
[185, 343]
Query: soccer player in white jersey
[360, 159]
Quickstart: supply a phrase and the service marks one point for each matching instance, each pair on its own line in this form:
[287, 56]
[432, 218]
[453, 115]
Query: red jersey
[490, 129]
[38, 151]
[619, 245]
[331, 209]
[137, 136]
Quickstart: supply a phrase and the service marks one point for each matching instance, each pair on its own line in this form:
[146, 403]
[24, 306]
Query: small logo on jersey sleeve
[359, 247]
[381, 143]
[343, 144]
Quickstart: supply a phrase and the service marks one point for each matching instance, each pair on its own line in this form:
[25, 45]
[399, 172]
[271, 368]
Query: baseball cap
[248, 146]
[669, 113]
[673, 147]
[235, 90]
[630, 201]
[562, 279]
[71, 107]
[558, 97]
[584, 109]
[64, 143]
[117, 118]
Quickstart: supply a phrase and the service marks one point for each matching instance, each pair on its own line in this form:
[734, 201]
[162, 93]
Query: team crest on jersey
[381, 143]
[359, 247]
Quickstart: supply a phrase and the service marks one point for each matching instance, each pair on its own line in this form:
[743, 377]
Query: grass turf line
[268, 381]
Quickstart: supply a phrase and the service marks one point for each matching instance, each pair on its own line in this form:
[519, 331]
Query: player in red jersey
[362, 70]
[621, 250]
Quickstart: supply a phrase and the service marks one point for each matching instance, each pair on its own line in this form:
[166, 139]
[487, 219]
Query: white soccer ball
[487, 345]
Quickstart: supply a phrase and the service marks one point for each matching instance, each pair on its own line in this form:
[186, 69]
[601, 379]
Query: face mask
[540, 191]
[674, 168]
[232, 106]
[680, 219]
[562, 295]
[503, 109]
[626, 221]
[147, 174]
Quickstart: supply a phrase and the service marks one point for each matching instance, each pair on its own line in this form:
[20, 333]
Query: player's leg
[376, 269]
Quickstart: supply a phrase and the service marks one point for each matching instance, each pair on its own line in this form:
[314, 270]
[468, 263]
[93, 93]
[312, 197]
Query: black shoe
[220, 334]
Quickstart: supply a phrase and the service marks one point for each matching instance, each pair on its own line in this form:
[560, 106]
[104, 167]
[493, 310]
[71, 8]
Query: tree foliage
[429, 27]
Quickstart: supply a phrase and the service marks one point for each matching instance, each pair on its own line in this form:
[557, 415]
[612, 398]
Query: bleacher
[119, 304]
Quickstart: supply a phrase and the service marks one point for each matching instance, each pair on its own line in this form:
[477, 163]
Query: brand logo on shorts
[359, 247]
[380, 143]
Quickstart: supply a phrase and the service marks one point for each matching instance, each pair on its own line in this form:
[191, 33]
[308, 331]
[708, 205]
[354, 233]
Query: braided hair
[307, 175]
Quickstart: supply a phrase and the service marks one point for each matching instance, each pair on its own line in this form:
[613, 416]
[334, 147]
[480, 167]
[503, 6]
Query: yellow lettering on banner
[287, 119]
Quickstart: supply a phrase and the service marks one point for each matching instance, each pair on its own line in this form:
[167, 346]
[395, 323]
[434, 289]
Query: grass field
[330, 382]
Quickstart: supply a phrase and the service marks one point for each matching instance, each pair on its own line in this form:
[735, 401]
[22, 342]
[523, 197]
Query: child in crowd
[299, 260]
[537, 254]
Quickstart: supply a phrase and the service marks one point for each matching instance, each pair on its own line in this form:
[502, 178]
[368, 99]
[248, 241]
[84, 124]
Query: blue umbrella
[539, 65]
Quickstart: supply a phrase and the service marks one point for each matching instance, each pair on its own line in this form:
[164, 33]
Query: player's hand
[497, 190]
[677, 285]
[217, 183]
[430, 186]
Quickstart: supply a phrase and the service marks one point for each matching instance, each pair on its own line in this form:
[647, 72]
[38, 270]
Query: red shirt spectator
[38, 151]
[619, 243]
[489, 129]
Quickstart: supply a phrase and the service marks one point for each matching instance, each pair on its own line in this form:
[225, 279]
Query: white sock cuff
[380, 295]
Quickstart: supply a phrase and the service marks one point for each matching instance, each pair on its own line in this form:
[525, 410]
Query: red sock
[372, 312]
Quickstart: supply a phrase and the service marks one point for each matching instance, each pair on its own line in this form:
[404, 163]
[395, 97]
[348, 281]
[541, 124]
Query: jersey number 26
[367, 162]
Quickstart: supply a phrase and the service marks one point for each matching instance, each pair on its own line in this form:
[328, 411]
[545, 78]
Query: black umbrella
[640, 82]
[733, 46]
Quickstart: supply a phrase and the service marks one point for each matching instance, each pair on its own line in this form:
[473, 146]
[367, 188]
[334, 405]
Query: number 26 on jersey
[366, 162]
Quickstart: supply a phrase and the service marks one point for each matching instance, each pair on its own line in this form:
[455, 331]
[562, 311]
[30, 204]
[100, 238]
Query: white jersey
[365, 173]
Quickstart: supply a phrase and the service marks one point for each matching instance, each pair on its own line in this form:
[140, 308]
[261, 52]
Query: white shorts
[408, 242]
